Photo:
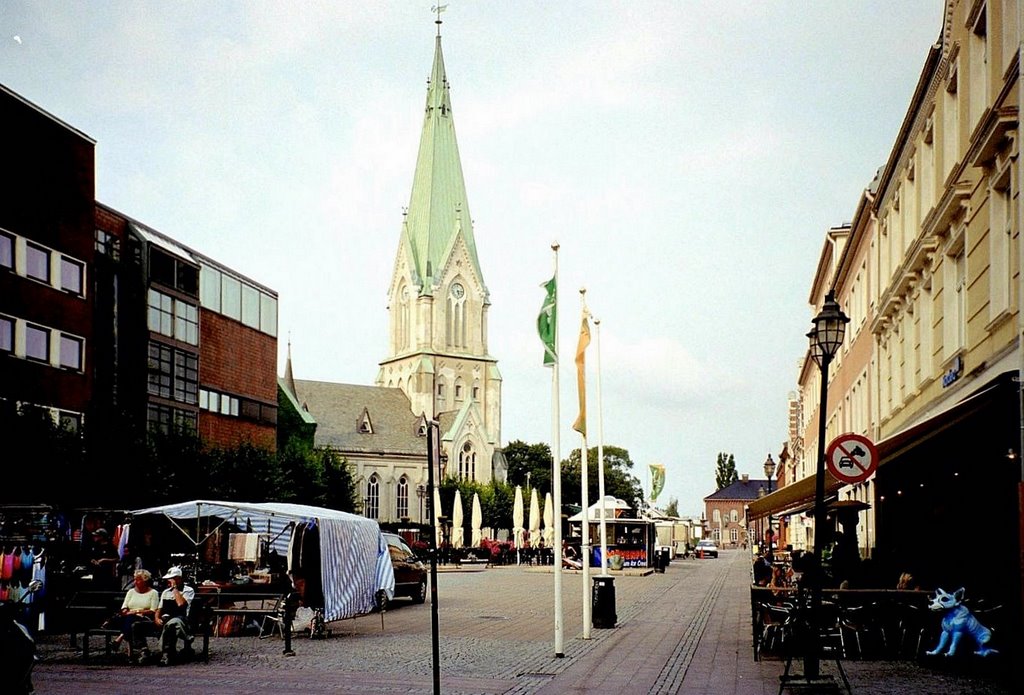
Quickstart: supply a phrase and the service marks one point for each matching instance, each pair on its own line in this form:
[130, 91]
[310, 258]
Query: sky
[688, 158]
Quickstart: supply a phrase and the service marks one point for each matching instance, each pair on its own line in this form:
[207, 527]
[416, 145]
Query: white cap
[173, 572]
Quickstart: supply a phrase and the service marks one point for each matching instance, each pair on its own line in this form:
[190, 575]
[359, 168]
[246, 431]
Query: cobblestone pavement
[684, 631]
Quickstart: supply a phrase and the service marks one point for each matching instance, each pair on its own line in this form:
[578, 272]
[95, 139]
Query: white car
[705, 548]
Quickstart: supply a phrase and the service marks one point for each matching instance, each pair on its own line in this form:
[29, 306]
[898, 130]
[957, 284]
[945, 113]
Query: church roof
[438, 206]
[340, 410]
[748, 489]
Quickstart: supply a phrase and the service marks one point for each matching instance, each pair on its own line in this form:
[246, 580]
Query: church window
[373, 497]
[458, 389]
[403, 318]
[467, 462]
[456, 319]
[476, 391]
[403, 497]
[365, 426]
[421, 428]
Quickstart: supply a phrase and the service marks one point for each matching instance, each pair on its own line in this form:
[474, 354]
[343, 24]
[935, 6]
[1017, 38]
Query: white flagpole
[585, 532]
[600, 458]
[556, 475]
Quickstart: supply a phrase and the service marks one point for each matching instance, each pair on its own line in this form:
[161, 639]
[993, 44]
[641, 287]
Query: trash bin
[660, 560]
[603, 602]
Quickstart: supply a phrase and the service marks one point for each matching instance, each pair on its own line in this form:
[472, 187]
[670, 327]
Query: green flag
[657, 480]
[546, 322]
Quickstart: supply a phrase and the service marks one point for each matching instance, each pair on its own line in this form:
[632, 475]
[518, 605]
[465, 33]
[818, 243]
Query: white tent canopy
[611, 505]
[354, 560]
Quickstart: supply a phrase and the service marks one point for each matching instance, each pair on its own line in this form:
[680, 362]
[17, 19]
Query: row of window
[372, 506]
[38, 343]
[237, 299]
[166, 419]
[173, 373]
[32, 260]
[173, 317]
[235, 406]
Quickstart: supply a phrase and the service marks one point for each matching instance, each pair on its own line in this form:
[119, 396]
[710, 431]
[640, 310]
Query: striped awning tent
[354, 559]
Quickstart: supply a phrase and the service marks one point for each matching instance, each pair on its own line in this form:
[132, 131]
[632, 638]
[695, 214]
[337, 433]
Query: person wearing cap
[172, 616]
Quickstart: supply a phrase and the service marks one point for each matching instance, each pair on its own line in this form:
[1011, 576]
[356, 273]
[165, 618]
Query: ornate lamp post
[769, 470]
[421, 492]
[825, 339]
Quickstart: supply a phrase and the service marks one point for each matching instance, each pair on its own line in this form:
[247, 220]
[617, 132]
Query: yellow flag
[581, 376]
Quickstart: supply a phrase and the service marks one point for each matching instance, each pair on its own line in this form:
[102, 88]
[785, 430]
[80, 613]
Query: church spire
[438, 207]
[289, 379]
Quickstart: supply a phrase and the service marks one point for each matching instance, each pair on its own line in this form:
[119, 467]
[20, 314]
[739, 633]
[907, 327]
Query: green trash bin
[603, 602]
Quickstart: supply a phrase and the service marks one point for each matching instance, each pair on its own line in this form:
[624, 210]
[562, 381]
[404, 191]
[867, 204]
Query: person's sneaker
[142, 656]
[165, 659]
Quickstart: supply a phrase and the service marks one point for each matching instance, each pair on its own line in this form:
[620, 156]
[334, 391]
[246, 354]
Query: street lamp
[769, 470]
[825, 339]
[421, 492]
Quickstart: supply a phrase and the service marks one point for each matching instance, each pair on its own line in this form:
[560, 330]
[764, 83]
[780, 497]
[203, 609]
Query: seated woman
[140, 603]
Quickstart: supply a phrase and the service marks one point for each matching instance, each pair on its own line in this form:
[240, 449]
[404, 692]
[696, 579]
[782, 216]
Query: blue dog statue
[957, 621]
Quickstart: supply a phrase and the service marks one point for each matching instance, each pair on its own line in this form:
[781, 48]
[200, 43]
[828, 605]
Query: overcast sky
[688, 157]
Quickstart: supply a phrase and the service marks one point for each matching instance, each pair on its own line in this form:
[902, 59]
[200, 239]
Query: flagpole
[556, 482]
[600, 458]
[584, 466]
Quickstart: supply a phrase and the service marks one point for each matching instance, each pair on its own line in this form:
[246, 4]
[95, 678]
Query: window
[734, 535]
[231, 297]
[268, 314]
[979, 66]
[186, 377]
[6, 334]
[37, 343]
[951, 122]
[716, 516]
[733, 516]
[186, 322]
[71, 272]
[960, 292]
[458, 390]
[1000, 237]
[37, 262]
[476, 393]
[166, 419]
[209, 288]
[467, 462]
[403, 497]
[373, 497]
[6, 250]
[107, 244]
[71, 352]
[174, 374]
[173, 318]
[250, 306]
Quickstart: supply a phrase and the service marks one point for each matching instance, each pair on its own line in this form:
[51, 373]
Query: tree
[619, 482]
[725, 474]
[529, 463]
[672, 508]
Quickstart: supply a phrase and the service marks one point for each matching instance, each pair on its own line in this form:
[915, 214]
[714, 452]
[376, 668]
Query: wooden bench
[85, 612]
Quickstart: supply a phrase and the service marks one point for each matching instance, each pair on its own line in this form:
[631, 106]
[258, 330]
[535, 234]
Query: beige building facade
[929, 274]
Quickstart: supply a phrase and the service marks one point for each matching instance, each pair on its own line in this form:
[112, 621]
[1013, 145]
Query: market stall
[342, 557]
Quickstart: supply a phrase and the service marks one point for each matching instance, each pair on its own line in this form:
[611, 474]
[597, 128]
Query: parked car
[707, 547]
[410, 573]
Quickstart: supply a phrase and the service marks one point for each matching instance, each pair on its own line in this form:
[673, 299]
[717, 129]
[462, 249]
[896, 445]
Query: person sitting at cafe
[762, 571]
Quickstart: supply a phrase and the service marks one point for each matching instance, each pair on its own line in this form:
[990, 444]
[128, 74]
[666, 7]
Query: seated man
[172, 617]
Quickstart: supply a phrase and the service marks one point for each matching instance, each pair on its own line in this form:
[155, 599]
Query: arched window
[403, 317]
[733, 516]
[373, 497]
[716, 516]
[467, 462]
[403, 497]
[456, 323]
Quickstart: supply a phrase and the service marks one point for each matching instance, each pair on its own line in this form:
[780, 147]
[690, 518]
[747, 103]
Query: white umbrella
[534, 519]
[517, 519]
[549, 521]
[437, 514]
[457, 521]
[477, 520]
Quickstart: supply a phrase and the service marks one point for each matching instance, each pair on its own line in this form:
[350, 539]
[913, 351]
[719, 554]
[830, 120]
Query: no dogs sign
[851, 458]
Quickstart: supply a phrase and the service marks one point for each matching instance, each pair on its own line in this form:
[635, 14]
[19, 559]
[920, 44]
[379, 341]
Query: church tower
[438, 303]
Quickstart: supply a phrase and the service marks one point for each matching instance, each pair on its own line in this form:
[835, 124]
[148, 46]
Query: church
[438, 366]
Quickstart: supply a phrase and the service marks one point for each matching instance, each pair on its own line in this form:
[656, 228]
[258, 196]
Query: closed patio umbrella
[549, 521]
[457, 531]
[477, 520]
[517, 521]
[534, 519]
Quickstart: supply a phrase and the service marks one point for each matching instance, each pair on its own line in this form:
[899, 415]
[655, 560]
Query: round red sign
[851, 458]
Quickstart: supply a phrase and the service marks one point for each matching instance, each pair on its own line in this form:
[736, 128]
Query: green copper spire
[438, 208]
